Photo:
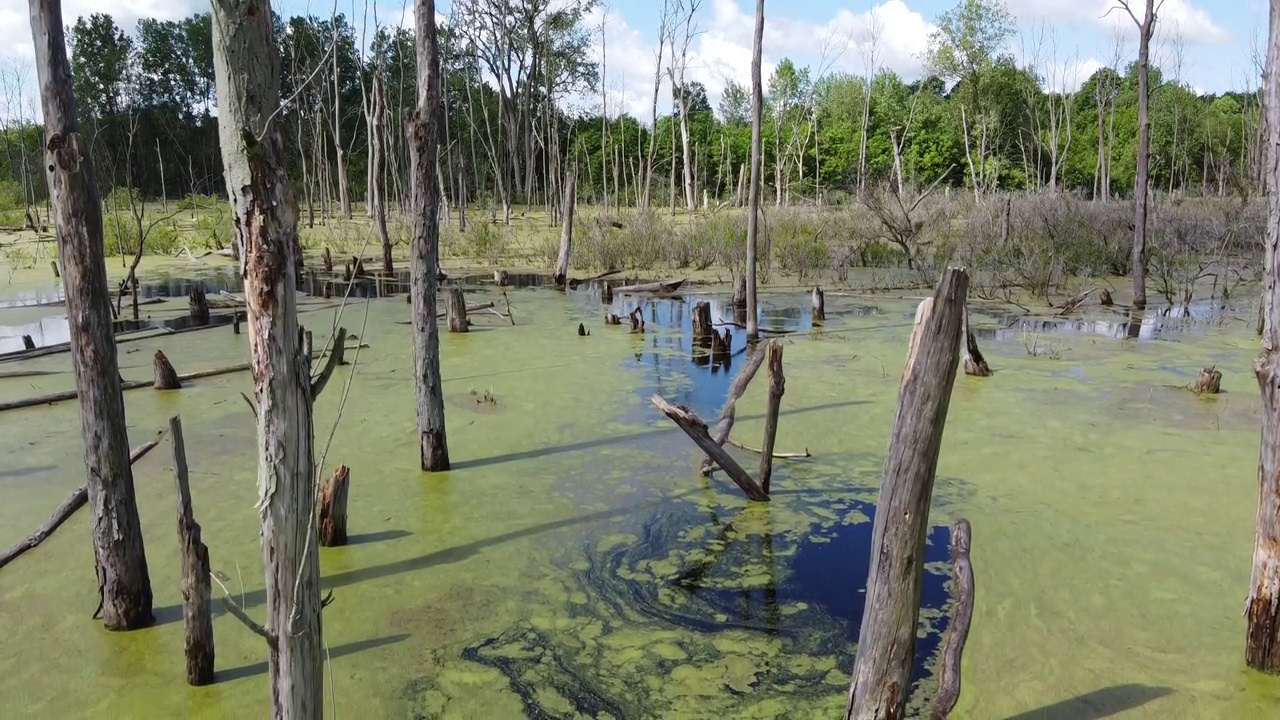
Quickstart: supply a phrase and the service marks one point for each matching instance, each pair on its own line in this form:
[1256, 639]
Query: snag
[197, 592]
[333, 508]
[197, 305]
[970, 355]
[777, 385]
[457, 310]
[819, 306]
[1209, 381]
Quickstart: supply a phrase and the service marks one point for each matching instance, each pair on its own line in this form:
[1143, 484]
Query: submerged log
[457, 310]
[166, 378]
[702, 328]
[197, 591]
[74, 502]
[958, 629]
[333, 508]
[777, 385]
[198, 306]
[1209, 381]
[663, 286]
[881, 677]
[819, 306]
[970, 355]
[696, 429]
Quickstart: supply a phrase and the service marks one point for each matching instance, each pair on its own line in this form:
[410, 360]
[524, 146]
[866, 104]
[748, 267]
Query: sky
[1209, 45]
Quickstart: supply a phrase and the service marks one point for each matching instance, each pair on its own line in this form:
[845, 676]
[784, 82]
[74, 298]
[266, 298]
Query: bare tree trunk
[1262, 610]
[344, 182]
[566, 231]
[119, 556]
[377, 146]
[1146, 28]
[753, 195]
[425, 251]
[266, 221]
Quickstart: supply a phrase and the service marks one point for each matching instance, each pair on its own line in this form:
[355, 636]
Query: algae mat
[574, 565]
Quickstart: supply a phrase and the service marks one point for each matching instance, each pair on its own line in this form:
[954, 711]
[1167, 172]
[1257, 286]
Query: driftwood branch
[776, 455]
[74, 502]
[696, 429]
[958, 629]
[242, 616]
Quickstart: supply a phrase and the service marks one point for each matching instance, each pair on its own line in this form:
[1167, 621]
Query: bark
[266, 221]
[970, 356]
[887, 639]
[1262, 608]
[702, 328]
[425, 251]
[753, 194]
[566, 231]
[119, 555]
[197, 591]
[1146, 28]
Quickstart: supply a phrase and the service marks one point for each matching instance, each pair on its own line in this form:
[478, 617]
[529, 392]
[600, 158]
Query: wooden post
[777, 385]
[235, 322]
[757, 174]
[958, 629]
[166, 376]
[197, 305]
[197, 593]
[887, 639]
[696, 429]
[457, 310]
[819, 306]
[566, 231]
[333, 508]
[702, 328]
[119, 554]
[970, 355]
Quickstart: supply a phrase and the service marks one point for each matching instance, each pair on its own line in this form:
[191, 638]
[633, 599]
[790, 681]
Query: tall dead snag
[197, 592]
[887, 639]
[958, 629]
[424, 255]
[696, 429]
[819, 306]
[970, 355]
[166, 376]
[456, 307]
[265, 218]
[333, 508]
[1262, 609]
[119, 555]
[1146, 30]
[777, 385]
[377, 150]
[753, 196]
[566, 231]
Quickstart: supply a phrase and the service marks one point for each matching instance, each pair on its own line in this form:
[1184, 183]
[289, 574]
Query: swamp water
[574, 564]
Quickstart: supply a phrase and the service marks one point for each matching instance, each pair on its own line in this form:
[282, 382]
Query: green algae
[1112, 521]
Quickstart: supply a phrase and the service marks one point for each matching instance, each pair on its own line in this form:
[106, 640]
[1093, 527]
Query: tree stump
[327, 260]
[637, 320]
[819, 306]
[611, 319]
[166, 376]
[501, 278]
[235, 322]
[333, 508]
[197, 305]
[357, 266]
[606, 293]
[702, 329]
[28, 342]
[582, 330]
[197, 593]
[457, 310]
[970, 355]
[720, 343]
[1209, 382]
[1104, 298]
[740, 290]
[54, 264]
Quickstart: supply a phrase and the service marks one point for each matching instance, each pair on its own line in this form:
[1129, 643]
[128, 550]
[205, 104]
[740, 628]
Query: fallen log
[970, 355]
[663, 286]
[696, 429]
[736, 390]
[197, 590]
[1070, 305]
[333, 508]
[958, 629]
[777, 385]
[74, 502]
[121, 338]
[776, 455]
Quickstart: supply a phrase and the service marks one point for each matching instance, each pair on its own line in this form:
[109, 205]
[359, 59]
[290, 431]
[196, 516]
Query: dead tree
[736, 391]
[1262, 608]
[566, 231]
[887, 639]
[265, 218]
[425, 248]
[1146, 30]
[777, 385]
[958, 629]
[702, 329]
[197, 592]
[333, 508]
[119, 555]
[456, 308]
[970, 356]
[197, 305]
[753, 194]
[377, 151]
[696, 429]
[166, 377]
[819, 306]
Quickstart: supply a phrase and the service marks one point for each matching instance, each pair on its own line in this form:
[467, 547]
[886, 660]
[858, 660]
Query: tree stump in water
[54, 265]
[28, 342]
[197, 305]
[606, 293]
[197, 593]
[1209, 382]
[327, 260]
[501, 278]
[739, 291]
[702, 329]
[611, 319]
[333, 508]
[970, 355]
[720, 344]
[582, 330]
[819, 306]
[637, 320]
[777, 384]
[235, 322]
[166, 376]
[357, 266]
[457, 310]
[1104, 297]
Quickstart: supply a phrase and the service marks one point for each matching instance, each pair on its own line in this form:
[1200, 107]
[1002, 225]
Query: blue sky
[1209, 45]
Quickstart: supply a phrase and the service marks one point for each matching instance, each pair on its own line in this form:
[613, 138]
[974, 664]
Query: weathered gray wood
[119, 554]
[970, 356]
[958, 629]
[696, 429]
[166, 378]
[660, 287]
[753, 192]
[566, 230]
[819, 306]
[456, 309]
[887, 639]
[265, 218]
[425, 247]
[1262, 607]
[777, 385]
[197, 590]
[740, 289]
[333, 508]
[736, 390]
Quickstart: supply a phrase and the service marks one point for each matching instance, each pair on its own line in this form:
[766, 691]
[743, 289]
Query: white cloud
[1180, 18]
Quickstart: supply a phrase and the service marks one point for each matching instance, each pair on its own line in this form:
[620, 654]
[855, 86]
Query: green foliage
[120, 235]
[12, 198]
[482, 241]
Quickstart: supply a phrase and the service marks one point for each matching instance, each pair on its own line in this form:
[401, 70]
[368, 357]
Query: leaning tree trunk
[1262, 610]
[753, 195]
[266, 222]
[1145, 30]
[425, 250]
[120, 558]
